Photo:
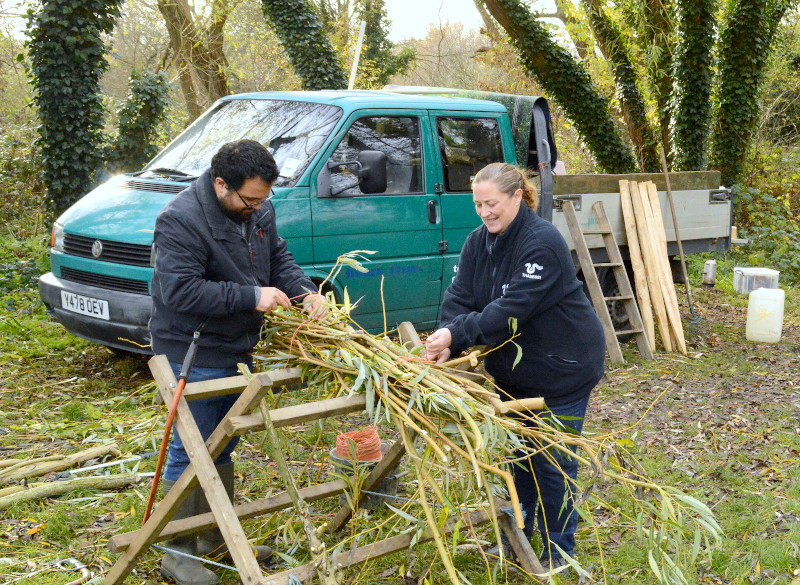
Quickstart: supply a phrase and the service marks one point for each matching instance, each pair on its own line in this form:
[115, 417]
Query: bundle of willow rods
[465, 441]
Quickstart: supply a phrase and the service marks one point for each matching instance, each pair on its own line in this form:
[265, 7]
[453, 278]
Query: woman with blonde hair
[516, 267]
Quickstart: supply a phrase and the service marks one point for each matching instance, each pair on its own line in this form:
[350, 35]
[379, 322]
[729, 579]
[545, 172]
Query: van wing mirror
[372, 176]
[369, 167]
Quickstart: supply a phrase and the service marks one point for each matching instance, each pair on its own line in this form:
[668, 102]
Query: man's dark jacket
[526, 273]
[209, 268]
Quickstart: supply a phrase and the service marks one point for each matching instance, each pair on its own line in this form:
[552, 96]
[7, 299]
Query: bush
[767, 221]
[139, 119]
[21, 180]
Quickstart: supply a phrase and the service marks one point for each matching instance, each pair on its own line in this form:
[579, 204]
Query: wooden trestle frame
[245, 417]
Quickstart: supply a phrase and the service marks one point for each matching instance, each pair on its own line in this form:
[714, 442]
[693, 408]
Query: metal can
[710, 273]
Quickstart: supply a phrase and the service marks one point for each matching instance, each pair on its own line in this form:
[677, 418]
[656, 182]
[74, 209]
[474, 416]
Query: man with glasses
[220, 266]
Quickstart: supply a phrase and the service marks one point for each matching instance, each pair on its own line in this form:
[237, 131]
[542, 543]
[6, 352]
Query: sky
[412, 18]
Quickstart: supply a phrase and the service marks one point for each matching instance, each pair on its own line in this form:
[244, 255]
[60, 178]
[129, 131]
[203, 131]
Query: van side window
[397, 137]
[467, 145]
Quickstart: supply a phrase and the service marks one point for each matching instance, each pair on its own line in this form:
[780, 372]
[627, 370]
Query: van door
[467, 143]
[402, 224]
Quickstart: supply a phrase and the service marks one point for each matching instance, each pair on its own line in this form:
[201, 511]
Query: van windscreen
[293, 131]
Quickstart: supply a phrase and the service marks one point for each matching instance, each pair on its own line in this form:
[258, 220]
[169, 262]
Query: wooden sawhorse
[242, 418]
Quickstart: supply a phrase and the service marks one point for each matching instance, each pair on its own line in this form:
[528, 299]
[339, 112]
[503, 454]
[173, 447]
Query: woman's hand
[437, 346]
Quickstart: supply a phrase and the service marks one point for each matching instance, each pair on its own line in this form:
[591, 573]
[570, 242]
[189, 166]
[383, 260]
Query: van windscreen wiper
[167, 173]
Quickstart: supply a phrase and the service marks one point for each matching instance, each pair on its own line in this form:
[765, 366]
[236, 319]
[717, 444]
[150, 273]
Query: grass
[721, 424]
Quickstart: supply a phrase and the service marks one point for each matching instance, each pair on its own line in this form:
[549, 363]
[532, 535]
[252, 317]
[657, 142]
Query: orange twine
[366, 441]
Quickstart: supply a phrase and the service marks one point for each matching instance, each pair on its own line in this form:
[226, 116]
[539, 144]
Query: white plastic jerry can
[765, 315]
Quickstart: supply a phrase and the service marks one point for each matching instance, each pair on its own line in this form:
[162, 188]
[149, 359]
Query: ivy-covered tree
[67, 54]
[378, 59]
[311, 53]
[652, 22]
[634, 110]
[748, 30]
[139, 120]
[693, 78]
[557, 71]
[666, 49]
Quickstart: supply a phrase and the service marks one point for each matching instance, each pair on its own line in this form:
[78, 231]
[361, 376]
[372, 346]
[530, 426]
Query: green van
[359, 170]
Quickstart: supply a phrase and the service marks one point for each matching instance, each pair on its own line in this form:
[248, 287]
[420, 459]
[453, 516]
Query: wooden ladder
[620, 274]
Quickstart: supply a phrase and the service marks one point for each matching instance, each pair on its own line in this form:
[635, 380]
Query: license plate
[84, 305]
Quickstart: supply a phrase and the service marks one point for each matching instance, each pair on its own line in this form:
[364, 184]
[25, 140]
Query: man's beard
[237, 215]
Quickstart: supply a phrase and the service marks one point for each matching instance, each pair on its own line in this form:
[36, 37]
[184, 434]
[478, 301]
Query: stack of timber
[647, 245]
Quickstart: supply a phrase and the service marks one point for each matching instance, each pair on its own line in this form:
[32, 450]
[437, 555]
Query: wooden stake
[635, 253]
[668, 284]
[644, 229]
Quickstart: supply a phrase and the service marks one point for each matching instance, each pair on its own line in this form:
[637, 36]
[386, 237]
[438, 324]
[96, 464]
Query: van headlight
[57, 237]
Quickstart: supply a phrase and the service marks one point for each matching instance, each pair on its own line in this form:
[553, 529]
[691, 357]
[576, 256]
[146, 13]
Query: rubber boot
[182, 570]
[211, 542]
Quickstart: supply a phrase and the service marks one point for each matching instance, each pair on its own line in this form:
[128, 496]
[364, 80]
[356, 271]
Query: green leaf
[518, 357]
[403, 514]
[654, 565]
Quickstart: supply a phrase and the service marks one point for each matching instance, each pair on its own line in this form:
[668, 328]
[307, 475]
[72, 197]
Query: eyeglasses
[255, 204]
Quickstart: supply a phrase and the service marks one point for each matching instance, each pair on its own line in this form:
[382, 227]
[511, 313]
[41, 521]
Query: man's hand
[437, 346]
[314, 305]
[272, 298]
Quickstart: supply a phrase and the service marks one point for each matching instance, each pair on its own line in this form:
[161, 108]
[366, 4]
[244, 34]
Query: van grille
[117, 252]
[155, 186]
[102, 281]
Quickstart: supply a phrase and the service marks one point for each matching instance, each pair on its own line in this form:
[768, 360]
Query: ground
[720, 423]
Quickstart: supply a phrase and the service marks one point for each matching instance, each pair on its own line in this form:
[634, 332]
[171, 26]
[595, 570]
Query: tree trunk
[692, 90]
[657, 33]
[747, 34]
[634, 111]
[569, 84]
[199, 55]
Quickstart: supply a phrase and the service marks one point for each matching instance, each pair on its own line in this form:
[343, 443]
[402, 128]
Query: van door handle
[432, 211]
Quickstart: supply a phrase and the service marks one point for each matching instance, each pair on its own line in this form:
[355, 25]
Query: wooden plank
[521, 545]
[297, 414]
[590, 278]
[202, 465]
[378, 473]
[148, 534]
[121, 542]
[592, 184]
[236, 384]
[649, 253]
[670, 297]
[648, 246]
[639, 275]
[662, 265]
[306, 573]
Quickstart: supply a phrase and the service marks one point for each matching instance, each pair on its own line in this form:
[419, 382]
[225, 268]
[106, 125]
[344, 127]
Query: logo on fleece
[530, 269]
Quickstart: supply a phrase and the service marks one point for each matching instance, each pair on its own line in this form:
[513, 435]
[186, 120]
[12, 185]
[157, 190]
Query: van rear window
[293, 131]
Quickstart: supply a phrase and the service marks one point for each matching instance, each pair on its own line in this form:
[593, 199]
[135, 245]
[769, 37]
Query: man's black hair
[237, 161]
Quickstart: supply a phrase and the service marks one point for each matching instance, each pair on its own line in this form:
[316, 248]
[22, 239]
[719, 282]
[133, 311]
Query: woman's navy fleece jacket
[526, 273]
